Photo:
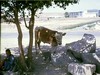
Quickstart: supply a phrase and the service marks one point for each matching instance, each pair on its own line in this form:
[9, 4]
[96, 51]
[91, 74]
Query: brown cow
[46, 35]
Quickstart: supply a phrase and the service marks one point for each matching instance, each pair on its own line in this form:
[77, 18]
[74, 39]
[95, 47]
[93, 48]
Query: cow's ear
[64, 34]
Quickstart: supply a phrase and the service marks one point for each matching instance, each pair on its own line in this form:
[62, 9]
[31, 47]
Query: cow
[45, 35]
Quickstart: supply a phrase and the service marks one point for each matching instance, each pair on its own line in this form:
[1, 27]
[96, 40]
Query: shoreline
[66, 23]
[80, 24]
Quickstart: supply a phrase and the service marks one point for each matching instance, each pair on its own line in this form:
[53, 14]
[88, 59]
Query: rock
[47, 56]
[51, 70]
[10, 73]
[81, 69]
[86, 45]
[98, 50]
[92, 58]
[62, 58]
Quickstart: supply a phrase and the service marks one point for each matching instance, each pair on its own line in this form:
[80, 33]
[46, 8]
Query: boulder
[98, 50]
[92, 58]
[61, 57]
[86, 45]
[10, 73]
[47, 56]
[81, 69]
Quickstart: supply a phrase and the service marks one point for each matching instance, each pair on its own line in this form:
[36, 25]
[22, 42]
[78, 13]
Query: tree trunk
[31, 26]
[24, 67]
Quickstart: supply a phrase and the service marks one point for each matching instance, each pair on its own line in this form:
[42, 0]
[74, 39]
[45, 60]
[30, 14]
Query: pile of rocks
[81, 57]
[77, 58]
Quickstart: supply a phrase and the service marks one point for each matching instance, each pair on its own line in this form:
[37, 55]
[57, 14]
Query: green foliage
[7, 9]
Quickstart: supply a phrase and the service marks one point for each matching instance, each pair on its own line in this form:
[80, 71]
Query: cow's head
[58, 37]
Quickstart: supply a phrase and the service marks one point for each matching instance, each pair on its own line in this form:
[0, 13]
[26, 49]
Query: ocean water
[9, 34]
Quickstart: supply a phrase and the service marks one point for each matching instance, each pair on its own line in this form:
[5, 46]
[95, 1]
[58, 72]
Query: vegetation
[10, 10]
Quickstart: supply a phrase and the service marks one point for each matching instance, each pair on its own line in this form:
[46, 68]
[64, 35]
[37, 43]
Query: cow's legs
[39, 44]
[36, 45]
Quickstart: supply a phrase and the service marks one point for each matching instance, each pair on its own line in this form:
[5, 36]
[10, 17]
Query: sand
[9, 31]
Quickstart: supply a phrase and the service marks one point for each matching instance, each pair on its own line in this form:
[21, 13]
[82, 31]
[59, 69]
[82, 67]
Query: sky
[83, 5]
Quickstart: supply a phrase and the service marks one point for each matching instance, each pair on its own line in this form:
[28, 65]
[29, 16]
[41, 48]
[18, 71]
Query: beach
[73, 27]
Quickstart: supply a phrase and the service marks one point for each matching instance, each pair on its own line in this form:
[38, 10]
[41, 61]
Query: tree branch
[7, 20]
[25, 20]
[8, 14]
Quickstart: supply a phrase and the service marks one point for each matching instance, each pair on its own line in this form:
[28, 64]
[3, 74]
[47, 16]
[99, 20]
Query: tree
[16, 6]
[10, 14]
